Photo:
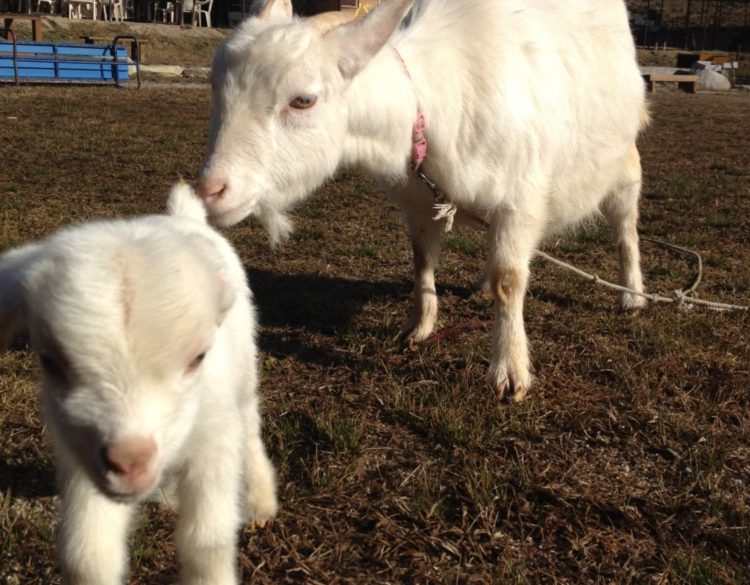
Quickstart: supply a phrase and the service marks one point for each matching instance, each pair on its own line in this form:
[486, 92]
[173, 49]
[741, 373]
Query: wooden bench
[36, 23]
[684, 82]
[136, 47]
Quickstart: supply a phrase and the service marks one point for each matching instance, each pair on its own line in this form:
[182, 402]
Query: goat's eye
[197, 360]
[303, 102]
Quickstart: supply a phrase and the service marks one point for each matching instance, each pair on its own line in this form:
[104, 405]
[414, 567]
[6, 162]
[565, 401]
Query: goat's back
[539, 92]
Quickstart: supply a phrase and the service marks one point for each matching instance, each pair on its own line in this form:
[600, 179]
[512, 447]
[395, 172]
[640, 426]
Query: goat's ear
[276, 9]
[183, 202]
[209, 254]
[358, 41]
[13, 266]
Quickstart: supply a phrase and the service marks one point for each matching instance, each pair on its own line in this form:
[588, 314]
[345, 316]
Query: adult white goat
[532, 110]
[145, 335]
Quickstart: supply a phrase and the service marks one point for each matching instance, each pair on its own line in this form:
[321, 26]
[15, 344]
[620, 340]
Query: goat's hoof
[257, 524]
[507, 391]
[414, 332]
[482, 288]
[510, 384]
[630, 302]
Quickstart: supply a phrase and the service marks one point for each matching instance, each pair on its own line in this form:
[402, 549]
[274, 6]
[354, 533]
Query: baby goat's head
[121, 315]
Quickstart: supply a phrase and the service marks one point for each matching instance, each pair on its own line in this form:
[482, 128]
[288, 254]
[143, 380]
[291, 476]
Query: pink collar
[418, 139]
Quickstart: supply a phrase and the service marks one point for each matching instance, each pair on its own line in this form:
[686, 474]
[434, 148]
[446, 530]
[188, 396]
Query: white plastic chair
[112, 10]
[166, 9]
[187, 10]
[75, 8]
[202, 8]
[50, 3]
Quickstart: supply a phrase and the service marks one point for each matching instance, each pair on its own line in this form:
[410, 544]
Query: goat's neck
[382, 106]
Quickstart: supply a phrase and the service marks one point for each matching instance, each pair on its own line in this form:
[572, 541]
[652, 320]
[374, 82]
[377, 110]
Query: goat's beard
[277, 223]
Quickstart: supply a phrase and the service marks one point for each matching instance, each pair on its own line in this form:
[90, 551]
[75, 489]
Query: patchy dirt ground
[629, 462]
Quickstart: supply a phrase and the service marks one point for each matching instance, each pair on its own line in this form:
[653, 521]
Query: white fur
[532, 107]
[118, 311]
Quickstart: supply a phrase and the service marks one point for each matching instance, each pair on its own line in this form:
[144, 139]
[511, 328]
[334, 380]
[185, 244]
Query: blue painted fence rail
[47, 61]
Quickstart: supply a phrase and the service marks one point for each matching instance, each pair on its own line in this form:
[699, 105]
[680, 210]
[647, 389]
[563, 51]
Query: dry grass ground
[629, 463]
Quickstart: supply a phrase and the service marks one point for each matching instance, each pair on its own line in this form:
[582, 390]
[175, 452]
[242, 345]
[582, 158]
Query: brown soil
[629, 462]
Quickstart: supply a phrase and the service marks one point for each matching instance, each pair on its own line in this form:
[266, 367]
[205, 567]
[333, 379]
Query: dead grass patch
[628, 463]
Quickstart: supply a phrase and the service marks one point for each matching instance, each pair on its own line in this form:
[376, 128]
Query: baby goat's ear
[183, 202]
[226, 297]
[209, 254]
[14, 265]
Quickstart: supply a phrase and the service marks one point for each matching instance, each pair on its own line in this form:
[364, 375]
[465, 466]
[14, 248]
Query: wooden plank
[671, 77]
[137, 50]
[687, 83]
[36, 23]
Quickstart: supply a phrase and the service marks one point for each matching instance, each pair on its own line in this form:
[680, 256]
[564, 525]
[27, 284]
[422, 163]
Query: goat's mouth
[226, 215]
[128, 489]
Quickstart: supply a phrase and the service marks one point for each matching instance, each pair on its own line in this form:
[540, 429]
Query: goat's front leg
[416, 202]
[260, 498]
[93, 532]
[209, 505]
[513, 237]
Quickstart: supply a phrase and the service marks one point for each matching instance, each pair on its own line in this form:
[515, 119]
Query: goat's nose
[211, 187]
[129, 456]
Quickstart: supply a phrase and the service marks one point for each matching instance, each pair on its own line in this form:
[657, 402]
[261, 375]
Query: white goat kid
[145, 335]
[532, 108]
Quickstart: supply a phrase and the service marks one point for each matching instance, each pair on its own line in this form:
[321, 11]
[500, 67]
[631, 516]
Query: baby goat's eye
[303, 102]
[195, 364]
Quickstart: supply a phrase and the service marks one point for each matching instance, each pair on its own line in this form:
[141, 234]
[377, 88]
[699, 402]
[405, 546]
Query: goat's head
[121, 315]
[280, 111]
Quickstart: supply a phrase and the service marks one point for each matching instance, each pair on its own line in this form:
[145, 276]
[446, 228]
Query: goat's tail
[183, 202]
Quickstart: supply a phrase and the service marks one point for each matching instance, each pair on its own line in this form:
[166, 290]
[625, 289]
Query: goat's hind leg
[416, 202]
[620, 207]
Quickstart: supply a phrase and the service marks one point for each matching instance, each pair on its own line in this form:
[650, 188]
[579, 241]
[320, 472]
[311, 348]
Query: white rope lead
[681, 297]
[447, 210]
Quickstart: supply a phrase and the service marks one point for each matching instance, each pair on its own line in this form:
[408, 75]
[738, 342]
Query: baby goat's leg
[209, 506]
[93, 532]
[260, 477]
[620, 207]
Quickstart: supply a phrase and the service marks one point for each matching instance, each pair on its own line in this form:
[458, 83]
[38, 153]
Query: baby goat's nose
[129, 456]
